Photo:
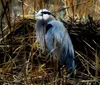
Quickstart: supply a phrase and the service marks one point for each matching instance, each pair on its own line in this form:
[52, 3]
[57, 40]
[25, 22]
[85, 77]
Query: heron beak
[27, 16]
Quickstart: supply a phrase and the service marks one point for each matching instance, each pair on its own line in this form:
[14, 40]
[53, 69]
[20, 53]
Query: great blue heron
[49, 29]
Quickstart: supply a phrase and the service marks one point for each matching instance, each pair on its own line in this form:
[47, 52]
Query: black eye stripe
[44, 12]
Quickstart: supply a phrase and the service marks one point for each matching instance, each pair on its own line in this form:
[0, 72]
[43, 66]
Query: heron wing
[49, 37]
[56, 30]
[54, 35]
[67, 54]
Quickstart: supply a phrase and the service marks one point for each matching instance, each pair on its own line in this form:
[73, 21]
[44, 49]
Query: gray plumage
[51, 30]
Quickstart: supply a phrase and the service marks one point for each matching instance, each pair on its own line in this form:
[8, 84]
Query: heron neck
[45, 22]
[50, 19]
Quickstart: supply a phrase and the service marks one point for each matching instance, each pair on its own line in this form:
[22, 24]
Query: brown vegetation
[22, 60]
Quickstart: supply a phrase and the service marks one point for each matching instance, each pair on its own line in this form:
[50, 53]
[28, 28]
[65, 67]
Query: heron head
[43, 14]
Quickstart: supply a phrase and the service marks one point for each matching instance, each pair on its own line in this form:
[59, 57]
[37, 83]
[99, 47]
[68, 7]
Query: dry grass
[22, 62]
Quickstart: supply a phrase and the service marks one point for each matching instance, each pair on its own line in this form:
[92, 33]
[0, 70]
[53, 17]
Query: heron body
[49, 29]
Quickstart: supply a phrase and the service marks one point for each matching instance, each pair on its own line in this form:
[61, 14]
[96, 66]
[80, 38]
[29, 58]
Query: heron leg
[59, 73]
[59, 69]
